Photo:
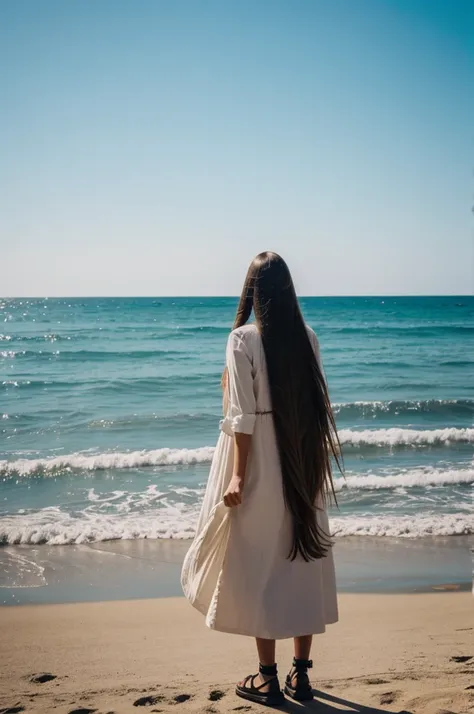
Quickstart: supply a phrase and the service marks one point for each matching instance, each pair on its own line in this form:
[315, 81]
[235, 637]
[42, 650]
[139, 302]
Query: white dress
[237, 571]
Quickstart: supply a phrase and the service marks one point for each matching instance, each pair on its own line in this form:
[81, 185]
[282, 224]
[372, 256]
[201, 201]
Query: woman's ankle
[268, 670]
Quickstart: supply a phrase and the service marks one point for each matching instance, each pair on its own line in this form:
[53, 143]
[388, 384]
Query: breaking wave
[394, 437]
[50, 525]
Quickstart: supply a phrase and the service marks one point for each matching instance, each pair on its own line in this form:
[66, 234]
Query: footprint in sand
[388, 697]
[148, 701]
[375, 680]
[12, 710]
[83, 711]
[216, 695]
[42, 678]
[180, 698]
[461, 658]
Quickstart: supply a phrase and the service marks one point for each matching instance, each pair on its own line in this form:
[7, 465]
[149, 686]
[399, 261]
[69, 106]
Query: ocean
[110, 410]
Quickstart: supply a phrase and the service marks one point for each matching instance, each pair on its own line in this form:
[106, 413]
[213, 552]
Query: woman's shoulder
[311, 333]
[245, 332]
[246, 335]
[313, 338]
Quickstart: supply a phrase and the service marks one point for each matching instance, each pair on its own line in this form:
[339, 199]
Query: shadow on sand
[324, 703]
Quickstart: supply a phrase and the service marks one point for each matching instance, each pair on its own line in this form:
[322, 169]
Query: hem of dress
[197, 606]
[267, 636]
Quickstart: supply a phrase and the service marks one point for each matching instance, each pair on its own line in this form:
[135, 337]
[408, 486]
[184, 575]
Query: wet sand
[125, 570]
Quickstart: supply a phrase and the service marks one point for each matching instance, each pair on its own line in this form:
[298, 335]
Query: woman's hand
[233, 495]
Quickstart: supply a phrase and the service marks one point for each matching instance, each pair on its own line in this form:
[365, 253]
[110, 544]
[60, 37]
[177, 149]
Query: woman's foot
[297, 684]
[263, 688]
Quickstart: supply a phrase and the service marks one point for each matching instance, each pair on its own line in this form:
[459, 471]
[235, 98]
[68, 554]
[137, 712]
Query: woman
[261, 563]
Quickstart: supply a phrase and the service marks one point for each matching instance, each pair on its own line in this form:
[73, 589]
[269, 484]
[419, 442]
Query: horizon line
[210, 297]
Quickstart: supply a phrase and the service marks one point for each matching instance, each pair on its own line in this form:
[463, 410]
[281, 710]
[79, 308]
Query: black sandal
[303, 691]
[271, 698]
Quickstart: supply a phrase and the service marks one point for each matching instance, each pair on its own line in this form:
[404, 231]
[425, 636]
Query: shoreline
[123, 570]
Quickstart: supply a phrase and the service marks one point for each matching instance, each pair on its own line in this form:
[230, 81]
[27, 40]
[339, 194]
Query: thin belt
[260, 413]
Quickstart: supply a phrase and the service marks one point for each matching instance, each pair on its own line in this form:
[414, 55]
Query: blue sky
[153, 147]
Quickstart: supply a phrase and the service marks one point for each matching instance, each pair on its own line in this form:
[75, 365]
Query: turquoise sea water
[111, 407]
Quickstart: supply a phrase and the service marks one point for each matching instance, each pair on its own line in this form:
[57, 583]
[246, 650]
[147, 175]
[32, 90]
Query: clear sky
[152, 147]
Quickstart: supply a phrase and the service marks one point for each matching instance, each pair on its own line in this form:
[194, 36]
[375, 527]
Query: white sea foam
[114, 460]
[410, 478]
[51, 525]
[406, 437]
[413, 526]
[393, 437]
[171, 511]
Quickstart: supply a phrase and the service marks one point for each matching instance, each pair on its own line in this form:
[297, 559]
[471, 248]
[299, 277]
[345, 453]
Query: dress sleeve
[241, 410]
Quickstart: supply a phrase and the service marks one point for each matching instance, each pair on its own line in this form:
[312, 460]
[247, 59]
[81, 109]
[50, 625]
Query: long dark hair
[304, 423]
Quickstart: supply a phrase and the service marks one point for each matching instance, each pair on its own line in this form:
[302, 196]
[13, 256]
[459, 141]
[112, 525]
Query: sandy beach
[389, 653]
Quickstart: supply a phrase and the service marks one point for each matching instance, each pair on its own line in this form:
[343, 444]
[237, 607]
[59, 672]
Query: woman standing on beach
[261, 563]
